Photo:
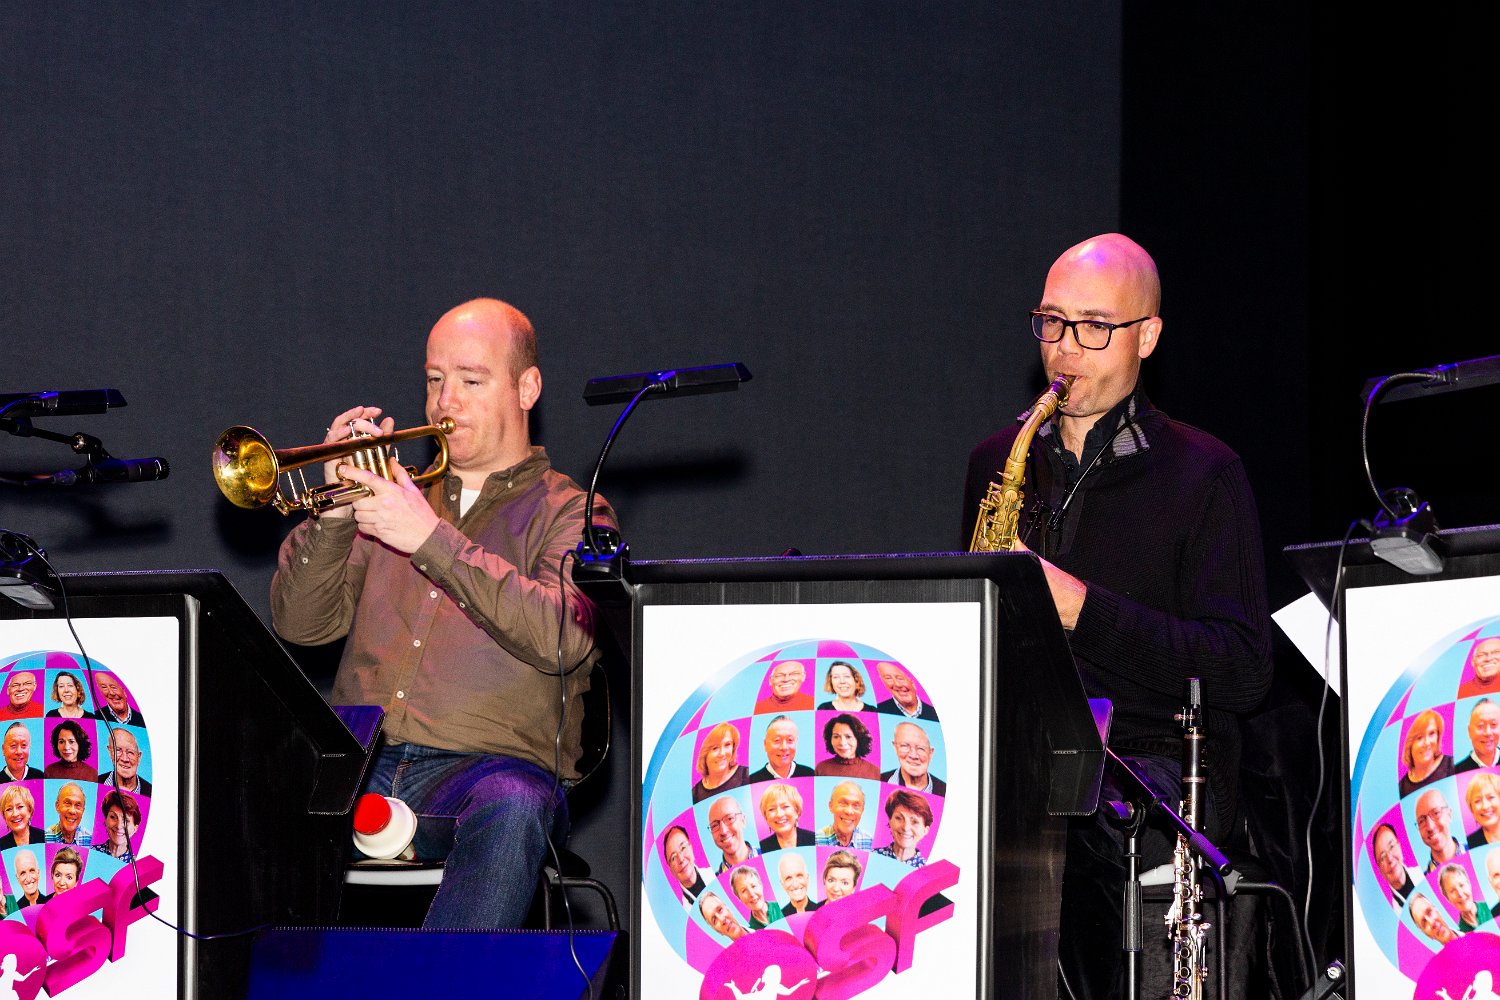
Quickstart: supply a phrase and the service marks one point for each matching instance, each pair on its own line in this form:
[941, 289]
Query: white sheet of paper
[1305, 622]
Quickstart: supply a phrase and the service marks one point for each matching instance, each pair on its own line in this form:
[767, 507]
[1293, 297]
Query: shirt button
[416, 642]
[432, 594]
[304, 560]
[453, 497]
[462, 605]
[423, 567]
[400, 694]
[509, 485]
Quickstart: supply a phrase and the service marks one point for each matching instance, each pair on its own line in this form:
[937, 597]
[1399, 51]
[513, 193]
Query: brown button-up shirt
[458, 641]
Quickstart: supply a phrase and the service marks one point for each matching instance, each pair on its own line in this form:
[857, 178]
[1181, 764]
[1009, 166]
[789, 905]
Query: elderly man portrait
[1150, 545]
[16, 749]
[721, 916]
[125, 752]
[904, 699]
[20, 700]
[726, 825]
[451, 599]
[114, 702]
[1429, 920]
[787, 694]
[1484, 659]
[1484, 737]
[781, 752]
[1402, 879]
[677, 854]
[71, 805]
[846, 804]
[914, 750]
[791, 869]
[28, 879]
[1434, 818]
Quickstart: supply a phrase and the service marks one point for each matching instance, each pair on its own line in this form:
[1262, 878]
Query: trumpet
[248, 470]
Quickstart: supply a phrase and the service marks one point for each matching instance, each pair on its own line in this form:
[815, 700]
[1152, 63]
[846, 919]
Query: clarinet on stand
[1186, 928]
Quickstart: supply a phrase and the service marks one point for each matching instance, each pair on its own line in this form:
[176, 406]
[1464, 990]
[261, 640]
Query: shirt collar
[523, 472]
[1107, 431]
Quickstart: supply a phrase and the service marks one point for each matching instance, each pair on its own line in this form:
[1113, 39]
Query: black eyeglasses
[1091, 334]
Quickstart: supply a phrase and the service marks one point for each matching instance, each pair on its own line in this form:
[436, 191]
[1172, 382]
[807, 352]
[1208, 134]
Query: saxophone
[1000, 510]
[1185, 926]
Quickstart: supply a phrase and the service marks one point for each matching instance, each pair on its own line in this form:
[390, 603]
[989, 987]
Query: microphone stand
[1142, 801]
[17, 411]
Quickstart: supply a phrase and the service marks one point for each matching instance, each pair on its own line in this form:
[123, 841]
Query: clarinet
[1186, 928]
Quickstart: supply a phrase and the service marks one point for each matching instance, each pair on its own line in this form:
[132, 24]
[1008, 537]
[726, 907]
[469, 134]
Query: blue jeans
[504, 809]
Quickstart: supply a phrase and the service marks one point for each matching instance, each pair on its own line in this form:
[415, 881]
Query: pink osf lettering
[78, 943]
[905, 921]
[844, 940]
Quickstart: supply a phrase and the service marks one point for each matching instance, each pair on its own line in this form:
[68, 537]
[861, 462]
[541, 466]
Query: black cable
[88, 670]
[1333, 602]
[1364, 428]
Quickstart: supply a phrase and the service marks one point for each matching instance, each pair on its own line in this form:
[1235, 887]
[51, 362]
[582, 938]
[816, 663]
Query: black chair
[566, 870]
[398, 893]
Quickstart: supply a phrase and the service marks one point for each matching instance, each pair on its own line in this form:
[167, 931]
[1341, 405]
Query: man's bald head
[500, 317]
[1123, 259]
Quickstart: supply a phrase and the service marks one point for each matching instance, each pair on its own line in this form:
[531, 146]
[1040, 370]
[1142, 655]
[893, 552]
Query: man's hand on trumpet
[355, 420]
[396, 514]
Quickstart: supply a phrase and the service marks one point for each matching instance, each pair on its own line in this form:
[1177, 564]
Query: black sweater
[1164, 532]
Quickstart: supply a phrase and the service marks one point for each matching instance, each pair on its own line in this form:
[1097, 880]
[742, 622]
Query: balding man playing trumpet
[451, 600]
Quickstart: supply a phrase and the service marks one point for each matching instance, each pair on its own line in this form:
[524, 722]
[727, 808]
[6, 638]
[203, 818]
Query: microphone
[129, 470]
[113, 470]
[65, 403]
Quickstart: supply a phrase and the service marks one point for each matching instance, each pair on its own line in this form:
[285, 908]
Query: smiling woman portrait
[847, 686]
[72, 750]
[718, 765]
[1483, 799]
[781, 808]
[1423, 754]
[849, 742]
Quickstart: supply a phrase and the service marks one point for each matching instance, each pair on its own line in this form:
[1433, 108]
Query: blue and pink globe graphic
[75, 790]
[795, 774]
[1426, 823]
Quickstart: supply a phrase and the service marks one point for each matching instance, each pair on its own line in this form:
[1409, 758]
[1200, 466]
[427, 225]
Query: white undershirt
[466, 500]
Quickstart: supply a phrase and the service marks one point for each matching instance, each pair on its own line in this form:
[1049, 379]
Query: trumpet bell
[248, 469]
[245, 467]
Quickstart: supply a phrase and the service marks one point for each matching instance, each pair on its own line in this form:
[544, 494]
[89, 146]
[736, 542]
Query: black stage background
[256, 215]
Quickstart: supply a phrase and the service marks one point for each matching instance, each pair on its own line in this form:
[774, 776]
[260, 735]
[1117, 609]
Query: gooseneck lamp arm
[591, 544]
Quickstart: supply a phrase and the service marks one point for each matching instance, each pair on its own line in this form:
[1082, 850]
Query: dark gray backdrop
[256, 217]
